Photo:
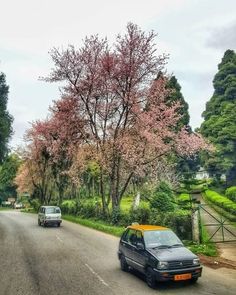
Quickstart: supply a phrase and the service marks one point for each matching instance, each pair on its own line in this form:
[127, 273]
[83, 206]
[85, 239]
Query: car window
[139, 237]
[53, 210]
[130, 236]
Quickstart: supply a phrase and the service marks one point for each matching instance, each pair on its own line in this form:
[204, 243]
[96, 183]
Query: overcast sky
[195, 33]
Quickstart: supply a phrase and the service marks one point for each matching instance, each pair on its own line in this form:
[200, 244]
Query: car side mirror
[140, 246]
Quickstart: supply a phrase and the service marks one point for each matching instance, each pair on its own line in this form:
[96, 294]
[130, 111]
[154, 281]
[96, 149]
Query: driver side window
[130, 237]
[139, 238]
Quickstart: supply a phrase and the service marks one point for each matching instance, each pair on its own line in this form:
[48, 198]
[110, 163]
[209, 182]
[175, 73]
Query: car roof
[146, 227]
[50, 206]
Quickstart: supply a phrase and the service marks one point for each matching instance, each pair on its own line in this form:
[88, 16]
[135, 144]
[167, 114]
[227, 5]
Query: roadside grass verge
[95, 224]
[5, 208]
[28, 210]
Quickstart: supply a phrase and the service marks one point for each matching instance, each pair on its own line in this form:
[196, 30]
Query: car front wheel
[150, 278]
[123, 264]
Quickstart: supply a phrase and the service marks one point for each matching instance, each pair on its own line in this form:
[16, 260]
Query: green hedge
[221, 201]
[178, 220]
[231, 193]
[184, 197]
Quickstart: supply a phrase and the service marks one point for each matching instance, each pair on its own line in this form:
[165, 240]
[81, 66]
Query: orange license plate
[186, 276]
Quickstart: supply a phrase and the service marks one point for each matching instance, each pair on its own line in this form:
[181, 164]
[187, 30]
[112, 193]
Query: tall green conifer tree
[219, 124]
[5, 118]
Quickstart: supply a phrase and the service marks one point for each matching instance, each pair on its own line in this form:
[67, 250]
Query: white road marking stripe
[59, 239]
[97, 275]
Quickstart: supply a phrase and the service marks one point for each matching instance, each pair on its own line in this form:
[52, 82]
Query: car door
[127, 245]
[139, 256]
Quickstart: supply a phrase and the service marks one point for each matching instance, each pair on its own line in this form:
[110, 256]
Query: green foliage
[179, 221]
[162, 202]
[5, 118]
[221, 201]
[69, 207]
[208, 249]
[141, 214]
[176, 96]
[219, 124]
[184, 201]
[231, 193]
[35, 203]
[163, 198]
[8, 172]
[115, 215]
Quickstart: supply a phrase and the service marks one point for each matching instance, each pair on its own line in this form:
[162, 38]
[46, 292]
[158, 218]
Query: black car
[158, 253]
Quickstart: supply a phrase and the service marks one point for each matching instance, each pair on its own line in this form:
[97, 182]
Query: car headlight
[196, 261]
[162, 265]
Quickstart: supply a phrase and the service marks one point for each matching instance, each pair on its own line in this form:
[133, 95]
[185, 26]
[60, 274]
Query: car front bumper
[169, 275]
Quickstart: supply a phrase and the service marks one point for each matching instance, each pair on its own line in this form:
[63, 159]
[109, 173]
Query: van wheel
[150, 278]
[59, 224]
[123, 264]
[39, 223]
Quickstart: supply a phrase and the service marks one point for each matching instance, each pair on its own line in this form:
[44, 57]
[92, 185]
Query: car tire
[39, 223]
[193, 280]
[59, 224]
[150, 278]
[123, 264]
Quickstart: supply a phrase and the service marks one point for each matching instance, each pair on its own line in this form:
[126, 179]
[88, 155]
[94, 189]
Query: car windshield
[161, 239]
[53, 210]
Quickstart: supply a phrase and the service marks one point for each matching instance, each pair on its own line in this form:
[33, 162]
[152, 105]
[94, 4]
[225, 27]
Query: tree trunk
[104, 205]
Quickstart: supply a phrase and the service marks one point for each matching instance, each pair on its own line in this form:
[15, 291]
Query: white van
[49, 215]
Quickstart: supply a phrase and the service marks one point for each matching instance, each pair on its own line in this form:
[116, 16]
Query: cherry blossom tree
[125, 123]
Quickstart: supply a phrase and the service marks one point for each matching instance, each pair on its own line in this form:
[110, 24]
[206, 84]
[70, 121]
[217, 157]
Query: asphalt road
[76, 260]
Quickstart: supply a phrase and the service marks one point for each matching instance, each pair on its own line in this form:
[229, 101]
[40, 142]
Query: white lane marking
[59, 239]
[97, 275]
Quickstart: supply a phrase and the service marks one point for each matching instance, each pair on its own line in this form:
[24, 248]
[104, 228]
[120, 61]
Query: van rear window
[53, 210]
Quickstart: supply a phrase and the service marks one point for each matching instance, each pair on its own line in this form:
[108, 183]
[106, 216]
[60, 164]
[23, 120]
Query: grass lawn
[127, 203]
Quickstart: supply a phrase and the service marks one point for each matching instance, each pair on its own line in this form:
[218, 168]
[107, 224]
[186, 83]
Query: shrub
[163, 198]
[184, 201]
[221, 201]
[165, 188]
[87, 209]
[162, 202]
[35, 204]
[141, 214]
[184, 197]
[179, 221]
[115, 215]
[69, 207]
[231, 193]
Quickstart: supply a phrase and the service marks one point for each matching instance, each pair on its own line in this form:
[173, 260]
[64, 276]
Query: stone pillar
[195, 226]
